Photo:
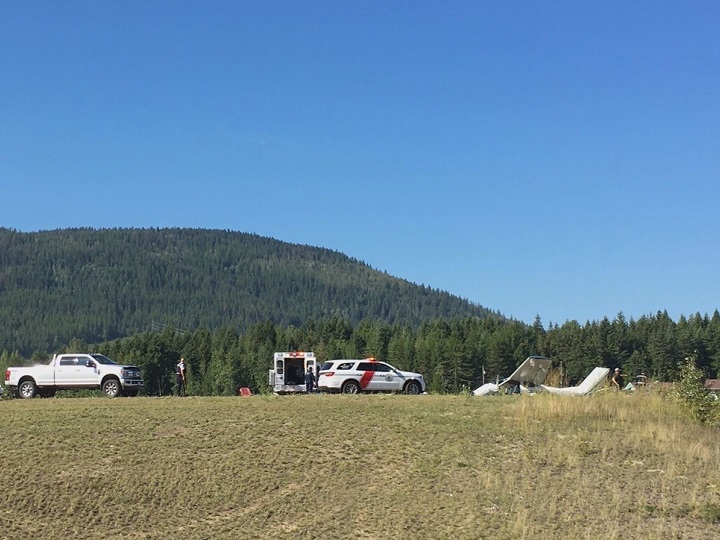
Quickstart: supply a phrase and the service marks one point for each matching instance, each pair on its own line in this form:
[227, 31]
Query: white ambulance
[288, 373]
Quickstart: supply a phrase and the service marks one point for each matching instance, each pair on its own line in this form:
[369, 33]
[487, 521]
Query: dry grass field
[369, 466]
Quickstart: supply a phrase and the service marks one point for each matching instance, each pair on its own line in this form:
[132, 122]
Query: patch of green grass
[710, 512]
[368, 466]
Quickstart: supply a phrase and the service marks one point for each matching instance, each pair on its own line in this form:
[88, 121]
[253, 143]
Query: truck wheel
[351, 387]
[26, 389]
[413, 387]
[111, 387]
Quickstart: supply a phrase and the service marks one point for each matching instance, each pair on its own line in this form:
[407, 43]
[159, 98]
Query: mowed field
[367, 466]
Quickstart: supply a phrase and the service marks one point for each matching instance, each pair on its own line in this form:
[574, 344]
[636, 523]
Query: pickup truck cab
[74, 371]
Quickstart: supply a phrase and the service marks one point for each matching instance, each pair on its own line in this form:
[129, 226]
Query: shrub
[701, 404]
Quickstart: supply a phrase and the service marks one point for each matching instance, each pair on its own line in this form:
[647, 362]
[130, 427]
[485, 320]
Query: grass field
[369, 466]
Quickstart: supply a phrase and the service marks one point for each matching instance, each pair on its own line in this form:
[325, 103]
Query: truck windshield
[100, 359]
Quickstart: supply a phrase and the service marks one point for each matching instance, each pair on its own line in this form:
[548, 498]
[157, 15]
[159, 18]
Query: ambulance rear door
[279, 369]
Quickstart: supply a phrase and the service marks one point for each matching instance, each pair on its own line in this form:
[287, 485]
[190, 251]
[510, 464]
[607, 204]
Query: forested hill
[98, 285]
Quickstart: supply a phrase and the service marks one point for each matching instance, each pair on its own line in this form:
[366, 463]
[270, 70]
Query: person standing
[617, 380]
[180, 376]
[309, 380]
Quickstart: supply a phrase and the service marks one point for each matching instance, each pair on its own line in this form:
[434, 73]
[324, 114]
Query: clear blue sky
[559, 159]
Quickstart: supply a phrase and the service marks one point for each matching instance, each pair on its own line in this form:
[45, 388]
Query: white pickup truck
[74, 371]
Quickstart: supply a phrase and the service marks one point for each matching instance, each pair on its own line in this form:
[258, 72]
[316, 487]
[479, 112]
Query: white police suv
[355, 376]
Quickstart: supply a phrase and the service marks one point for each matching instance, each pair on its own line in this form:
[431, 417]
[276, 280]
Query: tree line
[453, 354]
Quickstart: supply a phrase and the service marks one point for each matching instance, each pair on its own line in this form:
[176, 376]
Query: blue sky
[559, 159]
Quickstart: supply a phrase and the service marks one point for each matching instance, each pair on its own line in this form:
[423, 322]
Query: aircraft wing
[531, 372]
[591, 383]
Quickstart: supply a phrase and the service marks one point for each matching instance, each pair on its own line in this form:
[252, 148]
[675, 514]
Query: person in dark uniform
[180, 376]
[617, 380]
[309, 380]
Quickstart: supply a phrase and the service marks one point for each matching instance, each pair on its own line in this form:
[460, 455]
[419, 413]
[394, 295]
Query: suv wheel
[413, 387]
[351, 387]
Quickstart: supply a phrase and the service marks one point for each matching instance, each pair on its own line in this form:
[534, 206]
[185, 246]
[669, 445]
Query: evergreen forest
[100, 285]
[454, 355]
[227, 301]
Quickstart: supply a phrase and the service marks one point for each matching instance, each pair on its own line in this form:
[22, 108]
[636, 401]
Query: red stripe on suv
[366, 378]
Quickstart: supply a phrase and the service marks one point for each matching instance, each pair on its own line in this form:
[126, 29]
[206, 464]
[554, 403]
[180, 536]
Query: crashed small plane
[525, 379]
[528, 378]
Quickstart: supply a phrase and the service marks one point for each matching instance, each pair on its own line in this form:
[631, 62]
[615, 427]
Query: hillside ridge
[101, 284]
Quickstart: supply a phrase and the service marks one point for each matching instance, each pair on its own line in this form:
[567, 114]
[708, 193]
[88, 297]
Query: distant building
[713, 385]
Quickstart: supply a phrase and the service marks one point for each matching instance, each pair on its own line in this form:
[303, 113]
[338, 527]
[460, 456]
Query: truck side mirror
[89, 363]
